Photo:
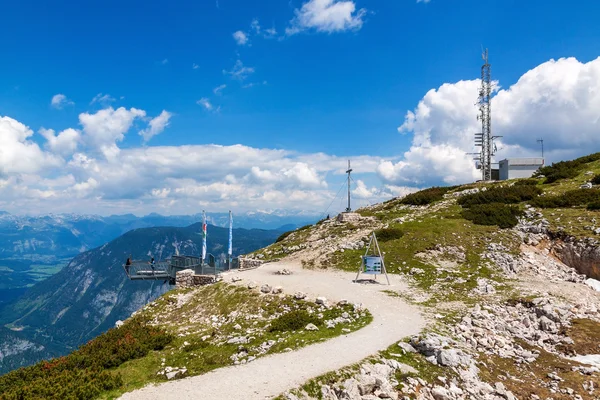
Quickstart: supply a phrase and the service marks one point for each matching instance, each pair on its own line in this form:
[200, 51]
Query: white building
[512, 168]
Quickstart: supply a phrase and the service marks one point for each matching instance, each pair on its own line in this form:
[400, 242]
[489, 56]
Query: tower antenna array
[348, 209]
[484, 139]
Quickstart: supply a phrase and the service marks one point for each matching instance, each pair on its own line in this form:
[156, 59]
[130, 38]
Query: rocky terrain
[514, 313]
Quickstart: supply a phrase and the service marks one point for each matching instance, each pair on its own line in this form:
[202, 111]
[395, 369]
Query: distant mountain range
[34, 248]
[92, 292]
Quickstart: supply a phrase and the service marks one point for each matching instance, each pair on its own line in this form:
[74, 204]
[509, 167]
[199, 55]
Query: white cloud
[219, 89]
[239, 71]
[204, 102]
[65, 143]
[327, 16]
[269, 33]
[103, 99]
[240, 38]
[106, 127]
[60, 100]
[255, 26]
[18, 154]
[558, 100]
[165, 61]
[257, 30]
[195, 66]
[252, 84]
[423, 1]
[156, 125]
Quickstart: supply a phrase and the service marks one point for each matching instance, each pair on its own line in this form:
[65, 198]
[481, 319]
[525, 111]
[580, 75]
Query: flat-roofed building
[512, 168]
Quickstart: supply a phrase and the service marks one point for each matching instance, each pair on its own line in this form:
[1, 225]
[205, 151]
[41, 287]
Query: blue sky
[339, 82]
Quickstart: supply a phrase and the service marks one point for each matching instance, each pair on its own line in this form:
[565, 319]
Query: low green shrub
[426, 196]
[526, 182]
[387, 234]
[594, 206]
[505, 195]
[84, 373]
[293, 321]
[596, 180]
[283, 236]
[502, 215]
[566, 169]
[572, 198]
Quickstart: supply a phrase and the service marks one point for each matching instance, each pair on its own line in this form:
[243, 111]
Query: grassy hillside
[185, 332]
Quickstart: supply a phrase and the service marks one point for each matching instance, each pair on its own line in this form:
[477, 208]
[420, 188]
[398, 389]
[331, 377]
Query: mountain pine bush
[84, 374]
[387, 234]
[502, 215]
[594, 206]
[505, 195]
[293, 321]
[566, 169]
[596, 180]
[427, 196]
[572, 198]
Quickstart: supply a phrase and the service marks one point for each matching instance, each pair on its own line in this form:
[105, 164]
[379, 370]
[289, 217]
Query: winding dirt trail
[269, 376]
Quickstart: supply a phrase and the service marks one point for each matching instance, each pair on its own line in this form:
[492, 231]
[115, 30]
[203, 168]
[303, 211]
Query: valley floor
[393, 319]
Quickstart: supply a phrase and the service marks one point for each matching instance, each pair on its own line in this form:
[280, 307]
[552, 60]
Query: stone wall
[187, 279]
[247, 263]
[348, 217]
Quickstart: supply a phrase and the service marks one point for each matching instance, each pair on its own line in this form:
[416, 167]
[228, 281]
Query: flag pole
[230, 249]
[203, 240]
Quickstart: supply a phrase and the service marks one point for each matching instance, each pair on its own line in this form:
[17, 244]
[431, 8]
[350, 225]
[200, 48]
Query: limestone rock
[311, 327]
[265, 288]
[321, 300]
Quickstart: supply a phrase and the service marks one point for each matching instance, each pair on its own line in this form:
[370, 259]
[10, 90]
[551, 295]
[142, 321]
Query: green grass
[445, 228]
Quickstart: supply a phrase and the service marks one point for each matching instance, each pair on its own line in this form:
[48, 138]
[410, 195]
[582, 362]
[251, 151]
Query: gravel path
[269, 376]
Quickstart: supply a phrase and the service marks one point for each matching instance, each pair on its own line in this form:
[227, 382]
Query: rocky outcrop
[582, 255]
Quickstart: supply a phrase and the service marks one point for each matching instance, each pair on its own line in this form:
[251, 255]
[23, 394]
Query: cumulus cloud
[239, 71]
[103, 129]
[558, 100]
[65, 143]
[156, 125]
[240, 38]
[168, 179]
[59, 101]
[327, 16]
[18, 154]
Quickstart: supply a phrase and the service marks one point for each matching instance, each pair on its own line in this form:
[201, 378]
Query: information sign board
[372, 265]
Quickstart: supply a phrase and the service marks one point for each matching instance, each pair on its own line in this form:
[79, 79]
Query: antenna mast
[348, 172]
[484, 139]
[541, 140]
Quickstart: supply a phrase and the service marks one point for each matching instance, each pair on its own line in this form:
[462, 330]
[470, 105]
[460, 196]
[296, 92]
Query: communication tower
[484, 139]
